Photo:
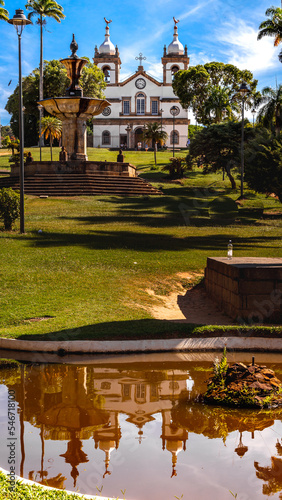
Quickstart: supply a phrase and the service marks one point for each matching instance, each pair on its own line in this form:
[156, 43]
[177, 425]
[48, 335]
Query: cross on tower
[141, 57]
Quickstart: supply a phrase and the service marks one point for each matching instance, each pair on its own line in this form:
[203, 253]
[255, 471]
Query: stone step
[81, 184]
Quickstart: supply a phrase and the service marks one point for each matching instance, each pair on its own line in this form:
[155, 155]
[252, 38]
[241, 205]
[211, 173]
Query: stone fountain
[74, 109]
[72, 174]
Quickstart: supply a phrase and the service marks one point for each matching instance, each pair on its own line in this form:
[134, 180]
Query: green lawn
[32, 492]
[88, 271]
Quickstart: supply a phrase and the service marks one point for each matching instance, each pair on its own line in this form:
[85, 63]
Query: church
[140, 99]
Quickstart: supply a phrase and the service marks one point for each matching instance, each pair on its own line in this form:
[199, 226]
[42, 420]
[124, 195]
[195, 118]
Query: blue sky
[214, 30]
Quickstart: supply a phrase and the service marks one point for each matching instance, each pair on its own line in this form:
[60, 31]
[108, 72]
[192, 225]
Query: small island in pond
[243, 386]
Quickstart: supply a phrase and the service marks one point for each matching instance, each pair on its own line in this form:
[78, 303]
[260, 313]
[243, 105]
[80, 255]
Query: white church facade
[140, 99]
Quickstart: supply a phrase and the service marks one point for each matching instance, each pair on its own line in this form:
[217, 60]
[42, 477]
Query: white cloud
[242, 48]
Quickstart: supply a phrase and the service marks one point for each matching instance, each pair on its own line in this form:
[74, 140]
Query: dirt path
[188, 306]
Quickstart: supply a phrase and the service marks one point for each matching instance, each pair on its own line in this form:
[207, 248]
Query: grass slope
[32, 492]
[86, 275]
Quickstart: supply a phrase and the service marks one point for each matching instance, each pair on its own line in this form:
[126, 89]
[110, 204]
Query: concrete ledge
[160, 345]
[33, 483]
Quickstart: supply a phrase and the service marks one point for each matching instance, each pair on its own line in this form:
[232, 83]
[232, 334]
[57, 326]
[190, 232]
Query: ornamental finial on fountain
[73, 47]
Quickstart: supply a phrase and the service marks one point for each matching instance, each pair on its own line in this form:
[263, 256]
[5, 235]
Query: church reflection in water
[74, 403]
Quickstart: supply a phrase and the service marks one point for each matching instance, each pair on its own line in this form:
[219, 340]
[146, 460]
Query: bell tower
[174, 58]
[107, 58]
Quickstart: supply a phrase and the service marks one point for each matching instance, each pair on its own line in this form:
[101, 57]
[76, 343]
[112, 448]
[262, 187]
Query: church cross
[141, 57]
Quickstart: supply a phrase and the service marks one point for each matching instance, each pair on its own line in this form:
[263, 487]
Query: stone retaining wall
[76, 166]
[247, 289]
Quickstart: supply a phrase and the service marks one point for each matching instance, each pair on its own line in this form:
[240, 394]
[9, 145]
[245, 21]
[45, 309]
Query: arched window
[174, 137]
[140, 104]
[107, 75]
[174, 70]
[106, 137]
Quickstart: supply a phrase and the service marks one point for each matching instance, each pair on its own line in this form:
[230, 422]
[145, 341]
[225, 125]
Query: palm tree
[4, 14]
[153, 132]
[271, 112]
[219, 105]
[272, 27]
[42, 9]
[51, 127]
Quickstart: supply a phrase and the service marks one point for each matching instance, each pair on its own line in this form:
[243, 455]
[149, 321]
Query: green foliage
[272, 27]
[9, 207]
[211, 90]
[4, 14]
[15, 158]
[153, 132]
[223, 210]
[194, 129]
[176, 166]
[270, 114]
[263, 164]
[6, 130]
[51, 127]
[11, 143]
[44, 8]
[92, 81]
[220, 369]
[218, 147]
[31, 492]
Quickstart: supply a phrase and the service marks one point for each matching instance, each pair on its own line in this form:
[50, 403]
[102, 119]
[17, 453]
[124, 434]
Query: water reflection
[102, 408]
[271, 475]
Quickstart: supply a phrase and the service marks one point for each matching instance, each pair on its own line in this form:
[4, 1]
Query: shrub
[223, 210]
[9, 207]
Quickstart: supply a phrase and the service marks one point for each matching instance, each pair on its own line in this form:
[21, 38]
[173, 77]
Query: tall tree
[220, 105]
[203, 85]
[42, 9]
[51, 127]
[218, 147]
[263, 164]
[4, 14]
[270, 114]
[272, 27]
[153, 132]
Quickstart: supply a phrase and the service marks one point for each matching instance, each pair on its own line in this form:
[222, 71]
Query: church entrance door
[138, 142]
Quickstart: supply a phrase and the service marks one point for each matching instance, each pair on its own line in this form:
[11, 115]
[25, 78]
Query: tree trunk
[231, 178]
[51, 143]
[41, 138]
[155, 153]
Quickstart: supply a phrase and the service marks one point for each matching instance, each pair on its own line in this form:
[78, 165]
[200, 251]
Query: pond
[120, 423]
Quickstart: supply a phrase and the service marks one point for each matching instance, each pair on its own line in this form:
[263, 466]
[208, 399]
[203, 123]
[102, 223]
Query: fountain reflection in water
[136, 425]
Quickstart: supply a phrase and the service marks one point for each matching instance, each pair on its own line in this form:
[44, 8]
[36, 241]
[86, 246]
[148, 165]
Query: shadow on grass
[119, 330]
[146, 242]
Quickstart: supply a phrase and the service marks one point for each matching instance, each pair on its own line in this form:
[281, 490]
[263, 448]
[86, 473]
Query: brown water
[131, 423]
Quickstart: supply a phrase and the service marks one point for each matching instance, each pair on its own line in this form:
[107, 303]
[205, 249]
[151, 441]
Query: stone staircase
[74, 184]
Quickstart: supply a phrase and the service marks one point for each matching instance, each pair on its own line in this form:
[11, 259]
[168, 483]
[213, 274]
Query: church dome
[175, 47]
[107, 46]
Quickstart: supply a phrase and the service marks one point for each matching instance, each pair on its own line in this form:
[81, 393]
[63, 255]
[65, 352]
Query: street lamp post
[174, 110]
[244, 90]
[128, 130]
[161, 111]
[20, 21]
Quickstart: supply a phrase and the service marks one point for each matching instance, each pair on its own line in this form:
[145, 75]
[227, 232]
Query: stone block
[255, 287]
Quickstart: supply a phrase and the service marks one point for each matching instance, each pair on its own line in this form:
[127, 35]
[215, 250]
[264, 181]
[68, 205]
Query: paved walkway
[160, 345]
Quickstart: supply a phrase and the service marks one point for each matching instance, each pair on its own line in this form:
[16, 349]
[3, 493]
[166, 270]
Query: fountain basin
[66, 108]
[73, 112]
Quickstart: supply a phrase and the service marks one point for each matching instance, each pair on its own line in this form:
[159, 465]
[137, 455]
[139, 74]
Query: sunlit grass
[87, 272]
